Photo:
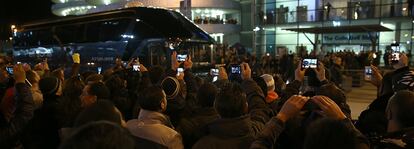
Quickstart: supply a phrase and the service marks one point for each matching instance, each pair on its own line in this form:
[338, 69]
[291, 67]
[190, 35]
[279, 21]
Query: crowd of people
[158, 107]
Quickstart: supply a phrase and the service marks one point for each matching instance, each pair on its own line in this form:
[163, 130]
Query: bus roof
[171, 24]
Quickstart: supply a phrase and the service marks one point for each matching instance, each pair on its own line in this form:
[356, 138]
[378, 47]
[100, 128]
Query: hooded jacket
[155, 127]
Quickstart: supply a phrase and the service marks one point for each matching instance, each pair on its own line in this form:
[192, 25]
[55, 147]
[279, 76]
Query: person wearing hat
[44, 130]
[271, 95]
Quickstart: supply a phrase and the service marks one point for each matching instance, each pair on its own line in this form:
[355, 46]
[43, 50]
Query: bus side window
[92, 32]
[102, 31]
[114, 29]
[70, 33]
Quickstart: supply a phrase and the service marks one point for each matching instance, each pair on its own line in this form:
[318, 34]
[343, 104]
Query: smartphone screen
[214, 72]
[171, 46]
[368, 73]
[235, 69]
[99, 70]
[395, 57]
[309, 63]
[180, 70]
[215, 78]
[135, 67]
[9, 70]
[181, 57]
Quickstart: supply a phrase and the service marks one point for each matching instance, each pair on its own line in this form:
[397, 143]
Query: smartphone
[181, 57]
[171, 46]
[395, 55]
[135, 67]
[99, 70]
[215, 78]
[235, 69]
[180, 70]
[368, 73]
[309, 63]
[9, 70]
[214, 72]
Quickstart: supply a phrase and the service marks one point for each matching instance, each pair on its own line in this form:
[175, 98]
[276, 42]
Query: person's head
[4, 75]
[270, 83]
[262, 84]
[102, 135]
[93, 92]
[115, 84]
[101, 110]
[49, 86]
[327, 133]
[333, 92]
[400, 111]
[338, 60]
[156, 74]
[206, 95]
[73, 87]
[280, 85]
[94, 78]
[231, 101]
[32, 77]
[171, 87]
[153, 99]
[59, 73]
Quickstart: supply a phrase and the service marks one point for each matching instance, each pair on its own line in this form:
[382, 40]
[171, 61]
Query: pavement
[360, 97]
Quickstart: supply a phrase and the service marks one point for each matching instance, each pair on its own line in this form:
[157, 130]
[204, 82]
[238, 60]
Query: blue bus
[142, 32]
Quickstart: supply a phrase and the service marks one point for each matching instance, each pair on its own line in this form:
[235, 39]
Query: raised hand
[222, 74]
[299, 72]
[329, 107]
[246, 72]
[19, 73]
[292, 107]
[188, 63]
[174, 62]
[320, 72]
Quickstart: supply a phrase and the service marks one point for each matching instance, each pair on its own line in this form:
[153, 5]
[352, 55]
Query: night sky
[21, 11]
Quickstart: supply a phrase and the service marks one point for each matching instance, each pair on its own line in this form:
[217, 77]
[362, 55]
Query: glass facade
[272, 17]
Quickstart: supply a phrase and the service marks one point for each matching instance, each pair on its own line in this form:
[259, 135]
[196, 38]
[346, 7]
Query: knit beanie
[269, 82]
[49, 85]
[171, 87]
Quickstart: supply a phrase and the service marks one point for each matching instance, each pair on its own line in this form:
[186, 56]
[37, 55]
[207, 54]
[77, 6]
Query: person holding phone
[11, 129]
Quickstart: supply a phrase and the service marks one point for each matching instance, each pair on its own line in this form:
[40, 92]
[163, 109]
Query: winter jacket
[44, 127]
[195, 126]
[155, 127]
[10, 131]
[239, 132]
[275, 127]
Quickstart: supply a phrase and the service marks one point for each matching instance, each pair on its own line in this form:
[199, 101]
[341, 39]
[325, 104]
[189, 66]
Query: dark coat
[44, 127]
[239, 132]
[10, 131]
[275, 127]
[195, 127]
[336, 74]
